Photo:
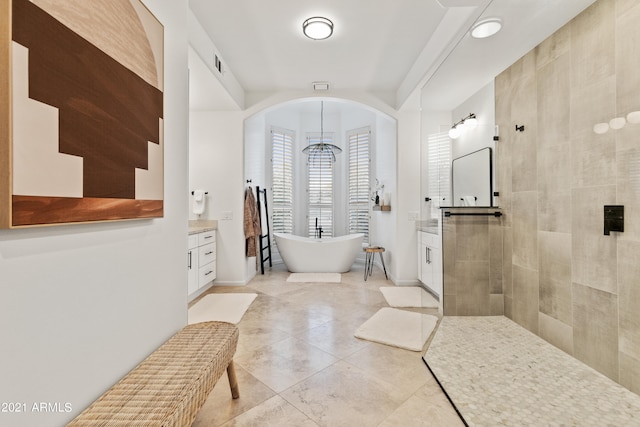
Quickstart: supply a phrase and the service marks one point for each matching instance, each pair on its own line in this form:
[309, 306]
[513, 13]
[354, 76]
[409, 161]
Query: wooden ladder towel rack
[267, 236]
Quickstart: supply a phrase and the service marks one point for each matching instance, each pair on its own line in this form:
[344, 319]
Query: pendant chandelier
[321, 149]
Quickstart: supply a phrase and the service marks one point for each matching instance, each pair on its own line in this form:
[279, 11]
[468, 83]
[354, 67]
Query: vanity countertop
[428, 226]
[429, 229]
[200, 226]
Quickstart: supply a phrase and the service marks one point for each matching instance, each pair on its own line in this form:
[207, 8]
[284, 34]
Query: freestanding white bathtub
[326, 255]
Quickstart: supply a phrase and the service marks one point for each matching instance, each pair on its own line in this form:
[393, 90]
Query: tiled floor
[298, 363]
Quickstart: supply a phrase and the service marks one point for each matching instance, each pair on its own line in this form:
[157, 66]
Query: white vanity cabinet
[201, 261]
[430, 261]
[192, 264]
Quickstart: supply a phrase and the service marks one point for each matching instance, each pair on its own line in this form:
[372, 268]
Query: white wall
[216, 159]
[80, 305]
[255, 171]
[255, 152]
[405, 264]
[203, 45]
[383, 229]
[482, 104]
[431, 122]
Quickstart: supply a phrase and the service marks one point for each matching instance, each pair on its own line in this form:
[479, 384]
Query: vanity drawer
[202, 262]
[207, 237]
[206, 254]
[430, 239]
[206, 274]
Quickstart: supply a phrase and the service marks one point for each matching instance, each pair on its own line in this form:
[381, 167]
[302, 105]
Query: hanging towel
[469, 200]
[251, 223]
[198, 202]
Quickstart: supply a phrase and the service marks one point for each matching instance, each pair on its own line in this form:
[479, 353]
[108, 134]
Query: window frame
[359, 143]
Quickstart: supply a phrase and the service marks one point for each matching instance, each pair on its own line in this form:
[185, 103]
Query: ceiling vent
[320, 86]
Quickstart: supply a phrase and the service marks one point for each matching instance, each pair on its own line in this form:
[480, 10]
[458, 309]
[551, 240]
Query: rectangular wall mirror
[472, 183]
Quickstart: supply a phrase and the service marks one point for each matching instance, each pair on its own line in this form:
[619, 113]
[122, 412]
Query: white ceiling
[390, 48]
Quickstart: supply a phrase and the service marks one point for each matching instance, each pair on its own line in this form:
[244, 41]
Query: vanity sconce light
[520, 128]
[468, 122]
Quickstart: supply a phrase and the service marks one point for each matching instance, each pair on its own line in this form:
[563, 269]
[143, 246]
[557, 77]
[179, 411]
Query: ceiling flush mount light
[317, 28]
[486, 28]
[468, 122]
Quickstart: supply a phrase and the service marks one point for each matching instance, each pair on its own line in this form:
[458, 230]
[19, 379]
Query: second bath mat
[221, 307]
[398, 328]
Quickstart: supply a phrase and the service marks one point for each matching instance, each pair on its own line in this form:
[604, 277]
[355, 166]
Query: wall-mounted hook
[520, 128]
[249, 181]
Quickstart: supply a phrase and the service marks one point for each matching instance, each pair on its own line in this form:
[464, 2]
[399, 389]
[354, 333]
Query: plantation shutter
[320, 187]
[282, 180]
[439, 146]
[359, 189]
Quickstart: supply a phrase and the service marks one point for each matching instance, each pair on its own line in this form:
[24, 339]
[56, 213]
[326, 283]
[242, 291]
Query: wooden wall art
[81, 112]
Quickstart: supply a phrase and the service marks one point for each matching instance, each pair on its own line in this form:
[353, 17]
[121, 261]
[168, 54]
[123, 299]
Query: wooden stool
[371, 252]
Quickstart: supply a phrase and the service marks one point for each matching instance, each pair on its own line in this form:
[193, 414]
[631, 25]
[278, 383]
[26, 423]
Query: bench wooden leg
[233, 381]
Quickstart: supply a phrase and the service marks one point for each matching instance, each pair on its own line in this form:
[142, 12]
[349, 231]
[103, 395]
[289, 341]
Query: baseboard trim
[230, 283]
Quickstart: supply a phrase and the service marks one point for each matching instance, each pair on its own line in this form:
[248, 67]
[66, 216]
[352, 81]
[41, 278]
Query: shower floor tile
[499, 374]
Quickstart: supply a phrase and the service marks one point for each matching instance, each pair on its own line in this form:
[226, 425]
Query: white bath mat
[221, 307]
[408, 296]
[315, 277]
[398, 328]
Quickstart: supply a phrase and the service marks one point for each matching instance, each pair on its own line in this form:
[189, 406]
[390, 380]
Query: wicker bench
[169, 387]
